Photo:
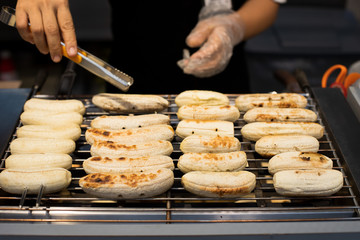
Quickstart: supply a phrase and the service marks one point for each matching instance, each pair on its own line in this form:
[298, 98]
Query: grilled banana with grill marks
[244, 102]
[49, 105]
[189, 127]
[256, 130]
[128, 185]
[126, 164]
[219, 184]
[116, 150]
[213, 162]
[204, 112]
[42, 145]
[126, 122]
[132, 135]
[201, 97]
[280, 115]
[209, 144]
[269, 146]
[316, 182]
[15, 181]
[299, 161]
[38, 161]
[130, 103]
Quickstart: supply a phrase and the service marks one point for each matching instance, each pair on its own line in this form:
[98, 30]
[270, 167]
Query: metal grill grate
[178, 205]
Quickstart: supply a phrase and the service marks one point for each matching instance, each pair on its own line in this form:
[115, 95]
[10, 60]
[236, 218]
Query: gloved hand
[216, 36]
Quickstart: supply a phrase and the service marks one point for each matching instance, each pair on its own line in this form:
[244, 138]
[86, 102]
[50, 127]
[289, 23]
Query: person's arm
[257, 16]
[218, 34]
[50, 22]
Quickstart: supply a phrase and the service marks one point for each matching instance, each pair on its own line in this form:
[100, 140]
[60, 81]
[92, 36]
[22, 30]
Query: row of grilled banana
[212, 161]
[290, 137]
[40, 155]
[130, 156]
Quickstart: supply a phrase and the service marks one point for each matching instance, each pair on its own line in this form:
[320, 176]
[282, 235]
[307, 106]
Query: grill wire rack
[177, 205]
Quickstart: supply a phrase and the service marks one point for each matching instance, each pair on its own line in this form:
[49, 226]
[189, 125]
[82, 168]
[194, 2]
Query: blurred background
[310, 35]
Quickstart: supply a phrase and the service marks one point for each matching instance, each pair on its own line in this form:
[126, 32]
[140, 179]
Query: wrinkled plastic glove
[216, 36]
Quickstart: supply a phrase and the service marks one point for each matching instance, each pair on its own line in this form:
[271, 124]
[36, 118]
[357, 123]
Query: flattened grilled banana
[68, 131]
[280, 115]
[116, 150]
[209, 144]
[219, 184]
[68, 105]
[244, 102]
[126, 164]
[213, 162]
[256, 130]
[128, 185]
[38, 161]
[126, 122]
[42, 145]
[130, 103]
[41, 117]
[204, 112]
[201, 97]
[16, 180]
[189, 127]
[299, 161]
[132, 135]
[269, 146]
[316, 182]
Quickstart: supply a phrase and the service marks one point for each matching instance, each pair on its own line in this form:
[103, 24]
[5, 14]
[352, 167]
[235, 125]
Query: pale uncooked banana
[38, 161]
[244, 102]
[132, 135]
[269, 146]
[49, 105]
[213, 162]
[256, 130]
[316, 182]
[219, 184]
[209, 144]
[205, 112]
[42, 117]
[201, 97]
[126, 164]
[69, 131]
[42, 145]
[126, 122]
[15, 181]
[189, 127]
[130, 103]
[128, 185]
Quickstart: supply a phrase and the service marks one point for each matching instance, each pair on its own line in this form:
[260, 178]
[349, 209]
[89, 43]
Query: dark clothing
[149, 38]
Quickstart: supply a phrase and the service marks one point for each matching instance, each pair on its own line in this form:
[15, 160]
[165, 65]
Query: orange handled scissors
[343, 80]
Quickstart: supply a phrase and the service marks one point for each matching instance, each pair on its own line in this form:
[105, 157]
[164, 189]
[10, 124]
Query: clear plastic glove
[50, 22]
[216, 36]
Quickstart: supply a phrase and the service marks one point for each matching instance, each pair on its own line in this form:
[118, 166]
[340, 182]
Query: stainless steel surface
[85, 60]
[178, 205]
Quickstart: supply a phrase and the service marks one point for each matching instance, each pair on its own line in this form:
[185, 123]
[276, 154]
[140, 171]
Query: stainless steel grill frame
[177, 205]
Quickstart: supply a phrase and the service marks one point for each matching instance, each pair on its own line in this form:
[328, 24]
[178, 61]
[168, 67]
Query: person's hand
[216, 36]
[50, 22]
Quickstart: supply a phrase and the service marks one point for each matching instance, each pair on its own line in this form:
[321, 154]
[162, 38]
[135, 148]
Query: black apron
[149, 38]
